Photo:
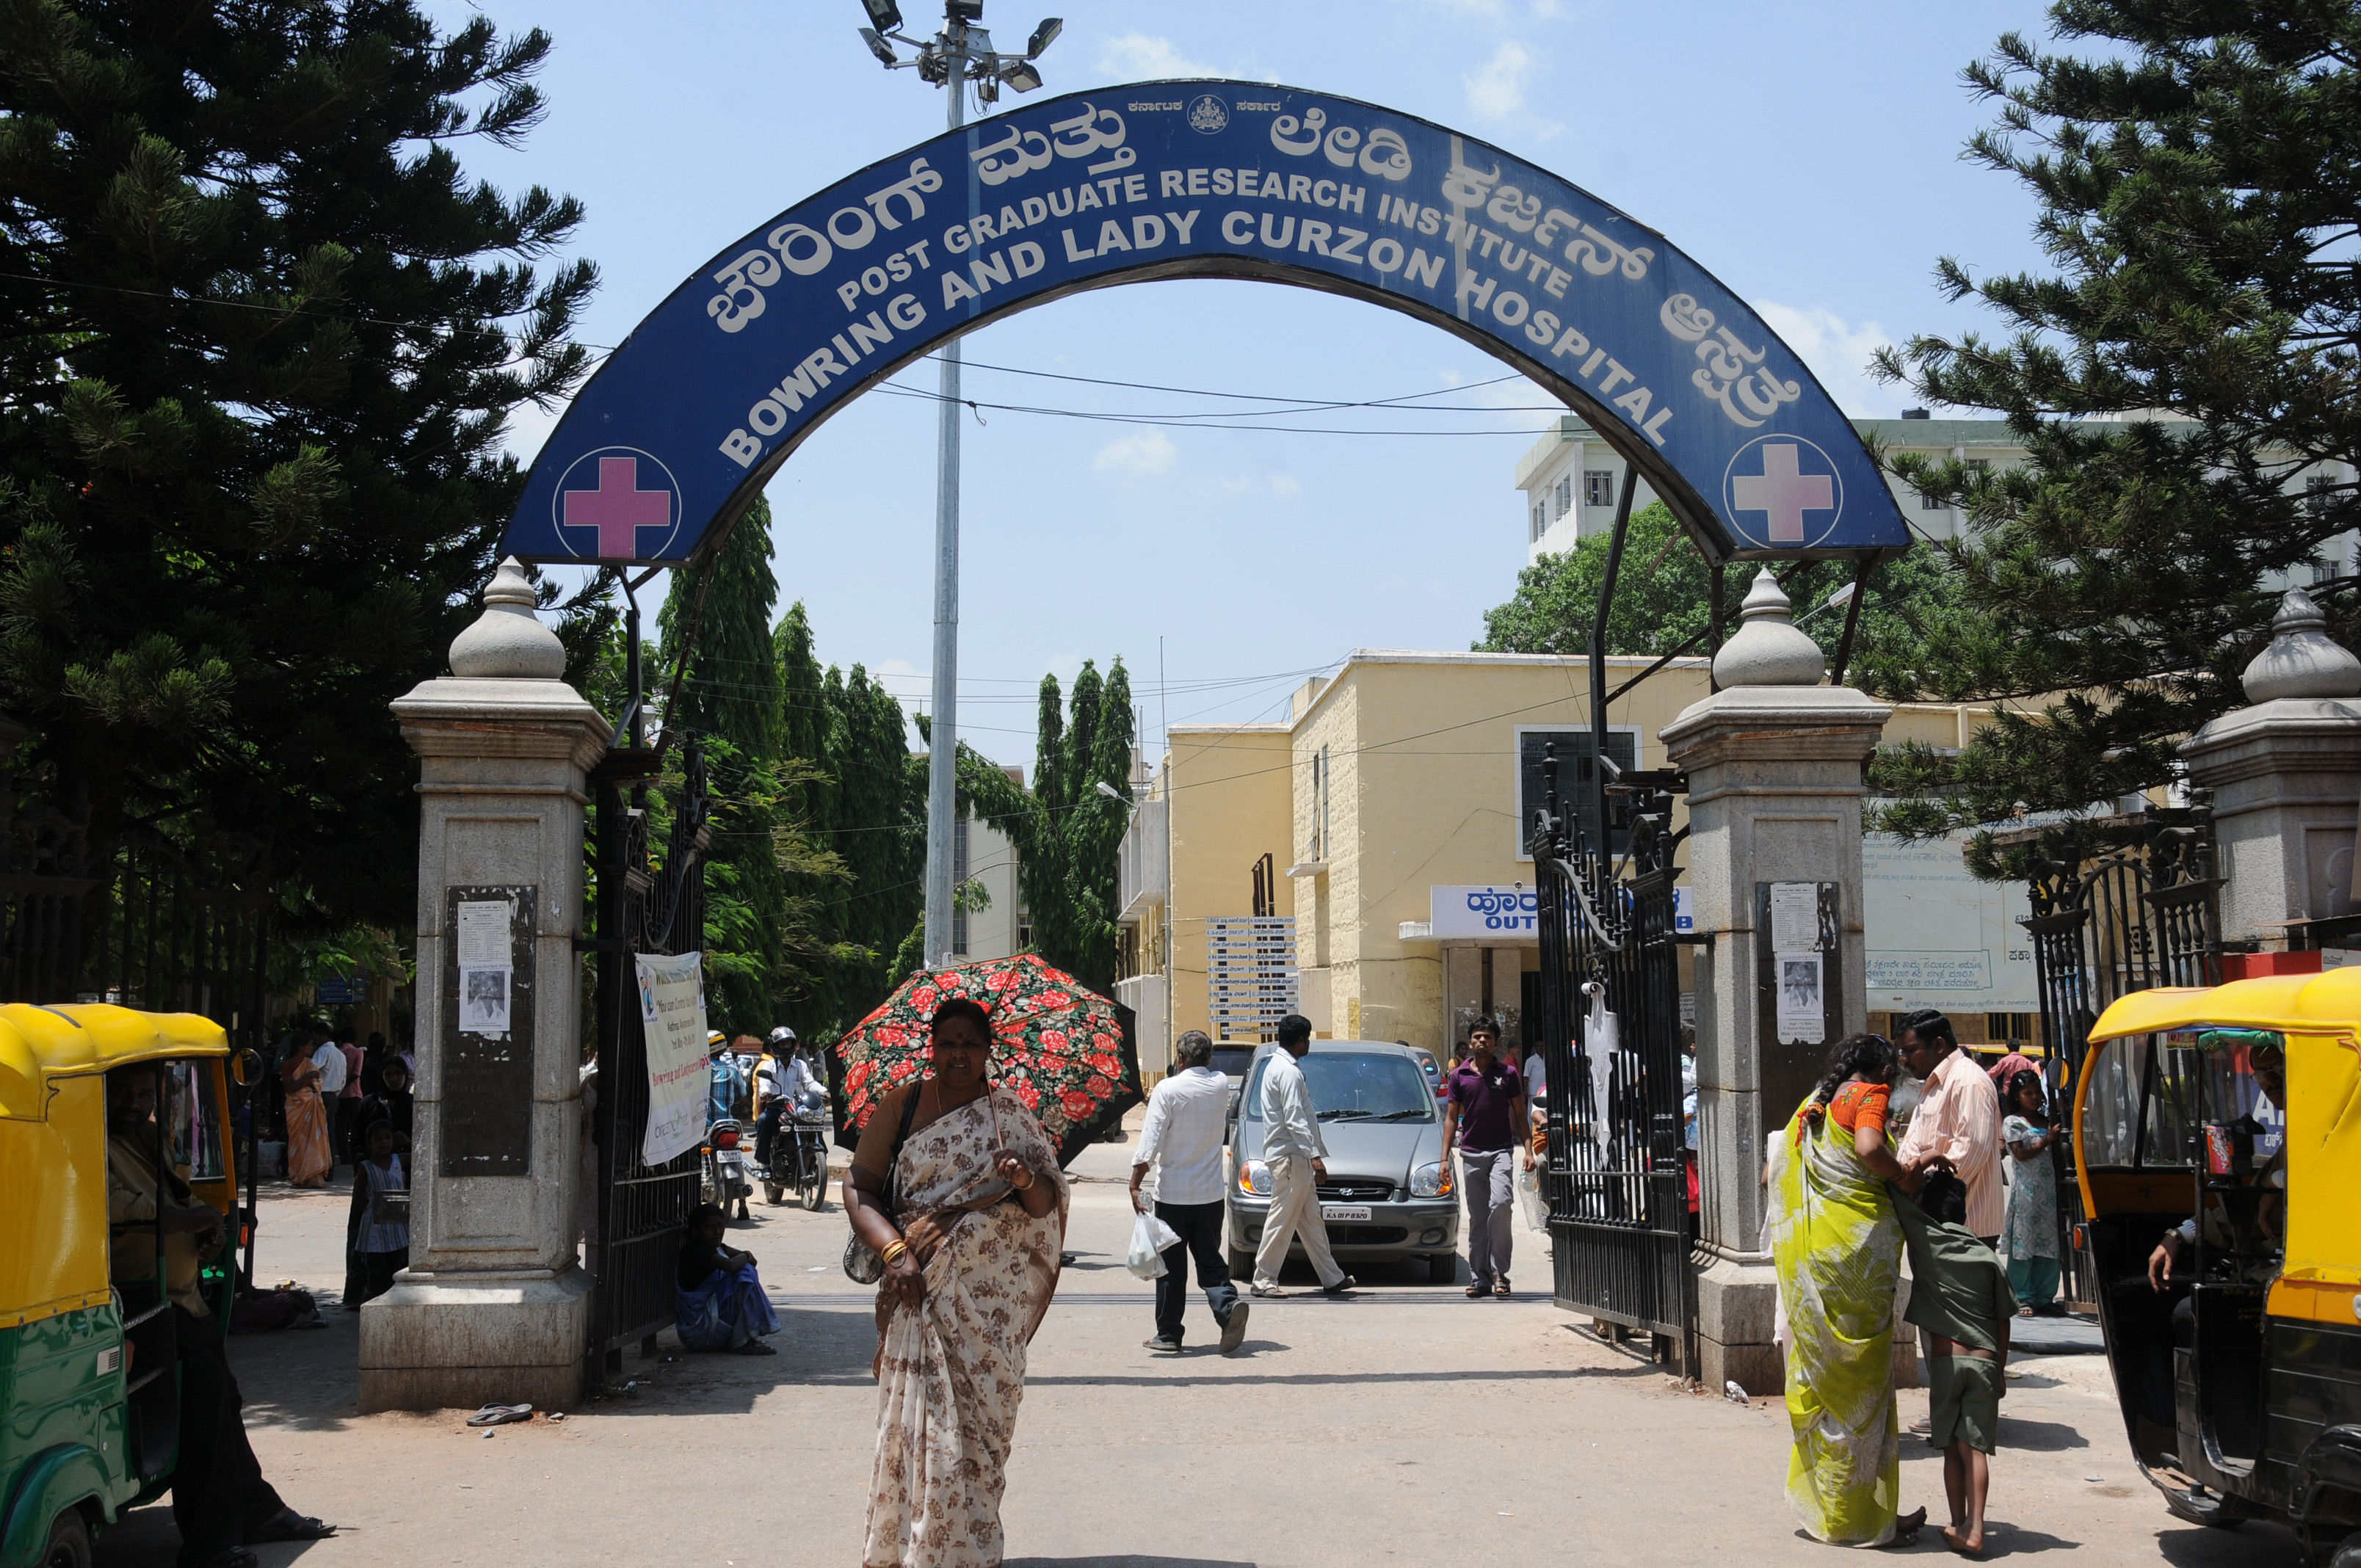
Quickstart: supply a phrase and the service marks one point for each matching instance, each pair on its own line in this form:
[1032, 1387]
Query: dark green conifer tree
[263, 341]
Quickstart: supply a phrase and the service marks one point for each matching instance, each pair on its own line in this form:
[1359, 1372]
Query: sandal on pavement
[289, 1525]
[496, 1416]
[1500, 1285]
[1907, 1527]
[1343, 1286]
[1267, 1290]
[1476, 1291]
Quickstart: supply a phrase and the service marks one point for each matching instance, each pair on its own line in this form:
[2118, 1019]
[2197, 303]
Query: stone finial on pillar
[508, 641]
[2301, 659]
[1767, 649]
[2285, 773]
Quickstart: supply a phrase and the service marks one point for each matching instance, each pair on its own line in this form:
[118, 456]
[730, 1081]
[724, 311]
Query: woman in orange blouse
[1838, 1250]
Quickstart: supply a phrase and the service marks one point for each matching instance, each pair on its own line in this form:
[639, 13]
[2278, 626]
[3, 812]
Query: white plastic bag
[1150, 1237]
[1530, 1201]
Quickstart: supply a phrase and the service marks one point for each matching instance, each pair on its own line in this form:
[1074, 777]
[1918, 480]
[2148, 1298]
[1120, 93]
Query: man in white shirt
[335, 1071]
[1297, 1157]
[1187, 1115]
[1958, 1123]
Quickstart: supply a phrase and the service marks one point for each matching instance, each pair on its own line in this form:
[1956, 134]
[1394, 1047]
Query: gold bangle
[893, 1249]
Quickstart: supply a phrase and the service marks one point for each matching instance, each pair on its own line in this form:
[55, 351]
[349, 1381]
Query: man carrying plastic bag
[1181, 1143]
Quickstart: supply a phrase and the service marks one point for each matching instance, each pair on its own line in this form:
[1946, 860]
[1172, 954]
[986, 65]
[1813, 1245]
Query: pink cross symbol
[619, 508]
[1783, 492]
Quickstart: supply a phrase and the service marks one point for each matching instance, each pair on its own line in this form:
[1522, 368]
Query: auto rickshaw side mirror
[246, 1068]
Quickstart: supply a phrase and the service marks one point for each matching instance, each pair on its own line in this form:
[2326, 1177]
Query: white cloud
[1150, 452]
[1285, 484]
[1548, 10]
[1140, 57]
[1498, 90]
[1838, 351]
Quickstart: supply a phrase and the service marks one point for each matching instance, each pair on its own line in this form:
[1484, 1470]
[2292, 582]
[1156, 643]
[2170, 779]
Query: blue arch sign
[676, 433]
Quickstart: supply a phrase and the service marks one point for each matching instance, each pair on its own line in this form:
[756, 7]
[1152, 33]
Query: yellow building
[1393, 794]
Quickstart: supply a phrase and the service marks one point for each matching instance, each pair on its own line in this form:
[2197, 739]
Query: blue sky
[1809, 154]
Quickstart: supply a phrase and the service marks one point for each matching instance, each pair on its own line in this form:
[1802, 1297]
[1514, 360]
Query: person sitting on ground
[220, 1500]
[376, 1235]
[1960, 1294]
[719, 1303]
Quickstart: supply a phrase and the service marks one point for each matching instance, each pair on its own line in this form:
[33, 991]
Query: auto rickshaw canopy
[2319, 1015]
[53, 1061]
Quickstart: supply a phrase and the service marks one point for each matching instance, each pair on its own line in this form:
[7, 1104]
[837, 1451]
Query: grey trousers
[1294, 1211]
[1488, 1177]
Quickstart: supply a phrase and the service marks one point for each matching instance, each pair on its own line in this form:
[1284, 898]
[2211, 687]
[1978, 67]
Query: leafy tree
[1066, 834]
[730, 693]
[262, 341]
[880, 832]
[1664, 602]
[2191, 356]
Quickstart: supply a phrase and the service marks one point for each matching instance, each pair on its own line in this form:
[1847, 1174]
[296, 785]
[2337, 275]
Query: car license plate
[1344, 1212]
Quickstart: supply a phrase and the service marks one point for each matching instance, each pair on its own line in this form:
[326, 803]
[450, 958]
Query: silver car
[1387, 1196]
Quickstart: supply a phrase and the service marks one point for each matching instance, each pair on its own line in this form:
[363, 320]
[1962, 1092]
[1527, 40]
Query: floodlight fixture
[1842, 596]
[1043, 37]
[879, 47]
[883, 15]
[964, 10]
[1022, 76]
[1108, 790]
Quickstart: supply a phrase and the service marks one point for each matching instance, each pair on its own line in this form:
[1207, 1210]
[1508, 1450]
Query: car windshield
[1231, 1061]
[1359, 1086]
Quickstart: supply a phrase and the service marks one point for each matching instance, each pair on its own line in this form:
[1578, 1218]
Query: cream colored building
[1400, 775]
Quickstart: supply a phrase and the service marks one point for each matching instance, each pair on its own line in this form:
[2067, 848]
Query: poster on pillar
[486, 1034]
[672, 1021]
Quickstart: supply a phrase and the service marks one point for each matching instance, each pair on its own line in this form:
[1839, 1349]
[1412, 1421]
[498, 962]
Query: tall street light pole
[961, 53]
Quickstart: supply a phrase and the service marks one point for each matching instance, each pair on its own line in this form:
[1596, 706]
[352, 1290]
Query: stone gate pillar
[1775, 772]
[2285, 774]
[494, 1306]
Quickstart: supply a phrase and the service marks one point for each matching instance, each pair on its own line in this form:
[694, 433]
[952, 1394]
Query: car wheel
[68, 1545]
[1443, 1268]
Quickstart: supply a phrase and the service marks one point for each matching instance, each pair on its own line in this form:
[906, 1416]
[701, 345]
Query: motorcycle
[799, 1154]
[726, 1178]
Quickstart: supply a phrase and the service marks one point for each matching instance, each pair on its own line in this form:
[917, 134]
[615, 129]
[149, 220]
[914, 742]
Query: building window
[1599, 486]
[1562, 497]
[1539, 523]
[1929, 503]
[1983, 466]
[1318, 850]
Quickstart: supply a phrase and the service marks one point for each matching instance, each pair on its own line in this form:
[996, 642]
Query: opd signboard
[686, 420]
[1485, 912]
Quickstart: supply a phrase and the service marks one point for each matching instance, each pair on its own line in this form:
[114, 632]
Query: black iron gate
[641, 1210]
[2119, 904]
[1615, 1175]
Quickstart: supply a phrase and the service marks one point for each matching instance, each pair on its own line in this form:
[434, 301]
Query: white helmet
[782, 1035]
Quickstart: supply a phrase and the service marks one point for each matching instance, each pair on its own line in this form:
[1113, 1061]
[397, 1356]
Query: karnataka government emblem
[1208, 114]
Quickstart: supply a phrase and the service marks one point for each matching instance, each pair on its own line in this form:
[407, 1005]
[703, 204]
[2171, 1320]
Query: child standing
[1960, 1294]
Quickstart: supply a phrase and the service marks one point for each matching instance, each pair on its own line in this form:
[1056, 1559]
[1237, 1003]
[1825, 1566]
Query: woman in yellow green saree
[1838, 1251]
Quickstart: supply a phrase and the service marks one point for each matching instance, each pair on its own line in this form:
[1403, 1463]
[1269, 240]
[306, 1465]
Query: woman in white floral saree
[971, 1248]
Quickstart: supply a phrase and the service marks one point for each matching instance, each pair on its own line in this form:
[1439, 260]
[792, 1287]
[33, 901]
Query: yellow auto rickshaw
[2219, 1136]
[89, 1373]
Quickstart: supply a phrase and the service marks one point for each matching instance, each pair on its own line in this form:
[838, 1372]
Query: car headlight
[1430, 1180]
[1254, 1176]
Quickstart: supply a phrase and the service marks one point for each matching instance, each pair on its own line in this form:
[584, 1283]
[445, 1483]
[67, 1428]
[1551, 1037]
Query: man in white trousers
[1297, 1157]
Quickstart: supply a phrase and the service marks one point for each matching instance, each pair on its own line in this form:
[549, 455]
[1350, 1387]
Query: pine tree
[2192, 355]
[263, 343]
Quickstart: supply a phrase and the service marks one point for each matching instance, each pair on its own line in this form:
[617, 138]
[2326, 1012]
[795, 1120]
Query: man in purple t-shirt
[1487, 1111]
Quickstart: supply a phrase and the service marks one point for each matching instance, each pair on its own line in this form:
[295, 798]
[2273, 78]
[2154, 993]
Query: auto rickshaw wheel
[68, 1545]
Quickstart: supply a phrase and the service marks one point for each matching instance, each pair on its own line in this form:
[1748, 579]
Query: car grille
[1367, 1235]
[1352, 1190]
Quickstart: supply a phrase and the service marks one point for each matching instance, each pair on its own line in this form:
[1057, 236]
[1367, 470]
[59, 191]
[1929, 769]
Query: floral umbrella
[1066, 1051]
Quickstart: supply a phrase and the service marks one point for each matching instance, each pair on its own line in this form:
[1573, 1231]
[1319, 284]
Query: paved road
[1408, 1425]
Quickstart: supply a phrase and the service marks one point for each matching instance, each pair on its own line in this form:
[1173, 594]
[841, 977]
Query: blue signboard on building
[679, 429]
